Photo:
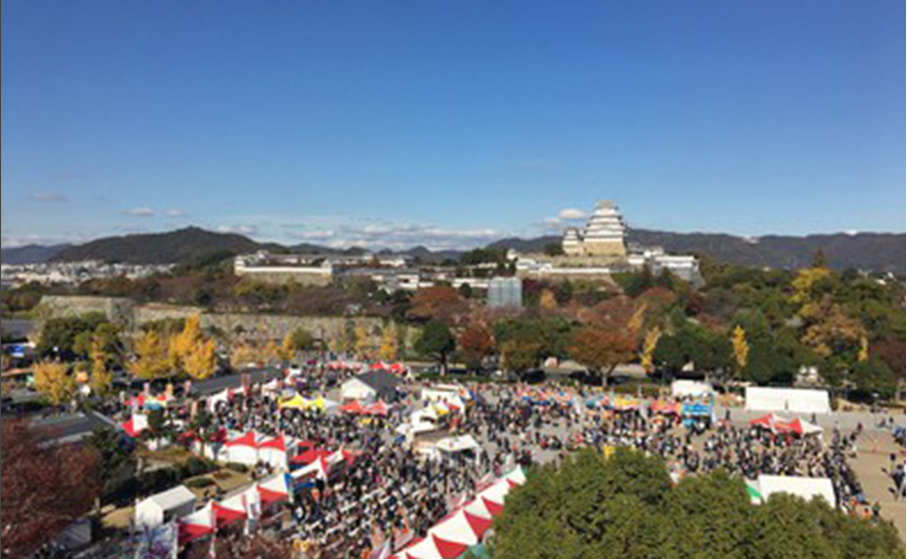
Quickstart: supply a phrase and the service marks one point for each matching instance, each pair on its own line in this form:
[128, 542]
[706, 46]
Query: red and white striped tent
[136, 425]
[197, 525]
[467, 526]
[230, 512]
[777, 424]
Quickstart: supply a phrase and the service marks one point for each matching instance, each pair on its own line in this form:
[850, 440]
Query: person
[877, 510]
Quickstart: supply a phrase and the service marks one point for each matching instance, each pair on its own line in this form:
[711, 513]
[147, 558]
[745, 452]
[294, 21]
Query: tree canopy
[625, 507]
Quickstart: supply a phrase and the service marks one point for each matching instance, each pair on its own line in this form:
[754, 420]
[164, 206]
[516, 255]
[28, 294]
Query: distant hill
[525, 245]
[30, 254]
[877, 252]
[176, 247]
[864, 251]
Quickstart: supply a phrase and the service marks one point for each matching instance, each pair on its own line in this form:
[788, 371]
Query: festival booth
[778, 425]
[136, 425]
[268, 497]
[231, 514]
[276, 452]
[163, 508]
[197, 525]
[538, 397]
[371, 386]
[259, 505]
[682, 389]
[455, 397]
[662, 407]
[697, 414]
[299, 403]
[308, 457]
[344, 366]
[393, 368]
[450, 449]
[425, 422]
[272, 387]
[805, 488]
[250, 449]
[622, 404]
[790, 400]
[147, 402]
[224, 397]
[465, 528]
[376, 409]
[243, 449]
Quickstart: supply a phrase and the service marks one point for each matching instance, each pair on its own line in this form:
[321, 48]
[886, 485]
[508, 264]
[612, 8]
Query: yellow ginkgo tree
[741, 349]
[389, 343]
[54, 382]
[152, 357]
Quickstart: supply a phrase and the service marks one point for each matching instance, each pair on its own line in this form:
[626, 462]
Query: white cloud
[174, 213]
[572, 213]
[48, 197]
[14, 241]
[552, 221]
[400, 236]
[140, 212]
[309, 235]
[239, 229]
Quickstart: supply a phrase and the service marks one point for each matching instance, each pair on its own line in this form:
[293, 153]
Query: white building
[604, 234]
[160, 509]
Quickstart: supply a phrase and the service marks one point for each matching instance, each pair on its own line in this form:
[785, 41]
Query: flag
[158, 543]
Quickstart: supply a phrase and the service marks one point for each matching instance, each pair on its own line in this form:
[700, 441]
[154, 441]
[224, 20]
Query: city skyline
[382, 126]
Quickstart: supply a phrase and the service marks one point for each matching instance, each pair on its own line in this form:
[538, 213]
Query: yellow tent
[297, 402]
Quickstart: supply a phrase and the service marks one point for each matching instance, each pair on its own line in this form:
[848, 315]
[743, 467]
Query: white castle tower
[604, 234]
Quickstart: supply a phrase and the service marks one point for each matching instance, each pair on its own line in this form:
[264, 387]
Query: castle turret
[573, 242]
[605, 233]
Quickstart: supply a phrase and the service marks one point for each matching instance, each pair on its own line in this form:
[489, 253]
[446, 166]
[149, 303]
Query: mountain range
[30, 254]
[877, 252]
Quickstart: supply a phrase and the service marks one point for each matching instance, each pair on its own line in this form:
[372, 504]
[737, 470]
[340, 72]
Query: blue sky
[449, 123]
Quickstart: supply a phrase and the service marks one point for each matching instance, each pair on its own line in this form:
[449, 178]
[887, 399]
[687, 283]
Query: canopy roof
[172, 499]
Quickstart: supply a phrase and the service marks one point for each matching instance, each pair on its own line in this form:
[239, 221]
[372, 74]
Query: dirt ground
[871, 466]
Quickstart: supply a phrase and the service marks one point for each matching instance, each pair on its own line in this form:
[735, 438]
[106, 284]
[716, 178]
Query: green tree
[593, 507]
[303, 340]
[669, 356]
[116, 461]
[159, 426]
[59, 336]
[436, 342]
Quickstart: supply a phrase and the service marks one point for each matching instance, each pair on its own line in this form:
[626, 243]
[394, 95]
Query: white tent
[791, 400]
[243, 450]
[690, 389]
[165, 507]
[803, 487]
[355, 389]
[454, 445]
[447, 394]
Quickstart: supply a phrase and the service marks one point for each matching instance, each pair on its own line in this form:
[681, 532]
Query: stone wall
[116, 309]
[317, 277]
[131, 316]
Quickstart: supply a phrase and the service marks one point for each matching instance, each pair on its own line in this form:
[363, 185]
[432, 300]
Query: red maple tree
[438, 303]
[476, 344]
[602, 350]
[45, 488]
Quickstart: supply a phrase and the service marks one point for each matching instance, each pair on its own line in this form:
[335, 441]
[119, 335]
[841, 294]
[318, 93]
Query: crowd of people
[388, 491]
